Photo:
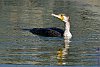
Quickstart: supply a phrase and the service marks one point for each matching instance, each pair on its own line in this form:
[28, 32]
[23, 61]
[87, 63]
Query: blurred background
[22, 47]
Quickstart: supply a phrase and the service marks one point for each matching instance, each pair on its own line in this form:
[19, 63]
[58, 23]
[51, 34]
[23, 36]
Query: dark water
[22, 47]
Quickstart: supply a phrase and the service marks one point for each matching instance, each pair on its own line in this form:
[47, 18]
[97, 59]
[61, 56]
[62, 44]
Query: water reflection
[19, 47]
[62, 53]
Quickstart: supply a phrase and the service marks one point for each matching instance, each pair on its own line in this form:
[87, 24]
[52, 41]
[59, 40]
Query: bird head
[62, 17]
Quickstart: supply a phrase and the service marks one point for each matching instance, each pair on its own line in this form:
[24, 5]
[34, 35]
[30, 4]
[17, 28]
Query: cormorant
[54, 32]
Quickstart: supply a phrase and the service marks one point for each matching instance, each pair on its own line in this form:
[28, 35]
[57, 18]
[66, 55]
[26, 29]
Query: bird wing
[45, 32]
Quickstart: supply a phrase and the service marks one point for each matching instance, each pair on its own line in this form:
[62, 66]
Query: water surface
[22, 47]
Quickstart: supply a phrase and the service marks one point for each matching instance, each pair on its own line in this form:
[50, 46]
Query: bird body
[54, 32]
[48, 32]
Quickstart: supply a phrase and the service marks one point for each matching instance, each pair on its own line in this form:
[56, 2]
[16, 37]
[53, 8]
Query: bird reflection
[62, 53]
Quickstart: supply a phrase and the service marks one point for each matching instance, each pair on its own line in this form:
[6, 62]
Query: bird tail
[26, 29]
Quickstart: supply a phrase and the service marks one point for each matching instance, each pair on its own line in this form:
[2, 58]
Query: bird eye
[61, 15]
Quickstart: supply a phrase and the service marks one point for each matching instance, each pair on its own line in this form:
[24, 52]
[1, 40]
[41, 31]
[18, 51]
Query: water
[22, 47]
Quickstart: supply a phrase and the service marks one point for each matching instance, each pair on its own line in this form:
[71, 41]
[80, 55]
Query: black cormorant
[54, 32]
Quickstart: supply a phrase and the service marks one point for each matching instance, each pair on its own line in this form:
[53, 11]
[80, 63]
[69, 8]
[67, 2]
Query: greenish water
[22, 47]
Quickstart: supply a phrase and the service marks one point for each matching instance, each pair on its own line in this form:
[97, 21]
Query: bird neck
[67, 26]
[67, 34]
